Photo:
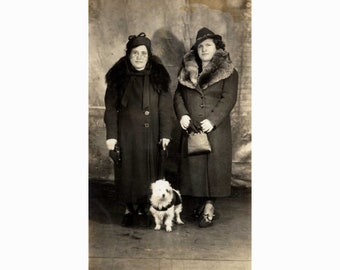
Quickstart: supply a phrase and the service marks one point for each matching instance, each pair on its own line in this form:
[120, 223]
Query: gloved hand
[194, 126]
[185, 121]
[164, 142]
[206, 125]
[111, 143]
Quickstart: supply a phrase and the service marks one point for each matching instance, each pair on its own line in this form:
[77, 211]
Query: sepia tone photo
[169, 134]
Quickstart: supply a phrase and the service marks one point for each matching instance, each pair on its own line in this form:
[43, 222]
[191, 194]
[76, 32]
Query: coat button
[146, 112]
[146, 125]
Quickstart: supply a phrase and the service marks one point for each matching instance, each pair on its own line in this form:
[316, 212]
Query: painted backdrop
[172, 27]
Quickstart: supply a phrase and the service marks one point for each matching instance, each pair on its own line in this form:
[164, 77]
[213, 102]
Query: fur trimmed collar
[219, 68]
[118, 75]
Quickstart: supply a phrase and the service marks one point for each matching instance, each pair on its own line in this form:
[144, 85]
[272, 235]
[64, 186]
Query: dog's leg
[158, 222]
[178, 210]
[157, 217]
[168, 219]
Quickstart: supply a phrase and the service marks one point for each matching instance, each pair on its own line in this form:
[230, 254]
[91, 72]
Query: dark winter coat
[209, 95]
[137, 128]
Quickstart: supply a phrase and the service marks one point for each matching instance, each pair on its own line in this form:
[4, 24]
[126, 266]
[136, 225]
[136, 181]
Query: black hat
[141, 39]
[203, 34]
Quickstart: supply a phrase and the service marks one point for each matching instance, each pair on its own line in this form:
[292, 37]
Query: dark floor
[225, 245]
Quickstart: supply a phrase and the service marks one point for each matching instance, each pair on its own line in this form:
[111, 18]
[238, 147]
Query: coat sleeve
[166, 114]
[179, 104]
[227, 101]
[110, 114]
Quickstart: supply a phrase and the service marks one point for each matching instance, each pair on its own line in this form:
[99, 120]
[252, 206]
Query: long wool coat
[209, 95]
[137, 128]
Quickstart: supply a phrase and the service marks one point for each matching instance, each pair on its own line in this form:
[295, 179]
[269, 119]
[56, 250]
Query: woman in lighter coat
[205, 95]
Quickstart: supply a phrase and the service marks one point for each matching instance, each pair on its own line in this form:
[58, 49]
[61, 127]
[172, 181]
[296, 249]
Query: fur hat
[135, 41]
[203, 34]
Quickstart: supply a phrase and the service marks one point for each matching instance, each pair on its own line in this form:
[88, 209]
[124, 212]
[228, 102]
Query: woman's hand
[164, 142]
[111, 143]
[206, 125]
[185, 121]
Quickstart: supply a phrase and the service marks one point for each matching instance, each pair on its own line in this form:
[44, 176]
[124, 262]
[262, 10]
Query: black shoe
[127, 220]
[198, 212]
[142, 220]
[205, 221]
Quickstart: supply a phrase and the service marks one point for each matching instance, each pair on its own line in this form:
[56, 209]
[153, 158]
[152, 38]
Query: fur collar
[219, 68]
[117, 77]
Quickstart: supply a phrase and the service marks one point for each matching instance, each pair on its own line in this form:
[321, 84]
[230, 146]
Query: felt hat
[203, 34]
[141, 39]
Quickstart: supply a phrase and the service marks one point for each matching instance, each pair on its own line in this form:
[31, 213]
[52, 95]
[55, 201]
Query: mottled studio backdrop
[172, 27]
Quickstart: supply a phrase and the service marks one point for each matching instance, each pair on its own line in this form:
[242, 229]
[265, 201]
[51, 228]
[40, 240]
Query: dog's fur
[166, 204]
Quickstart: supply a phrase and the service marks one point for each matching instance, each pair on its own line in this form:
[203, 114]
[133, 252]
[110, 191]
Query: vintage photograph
[170, 134]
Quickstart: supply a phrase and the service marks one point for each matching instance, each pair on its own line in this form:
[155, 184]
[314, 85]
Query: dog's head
[162, 190]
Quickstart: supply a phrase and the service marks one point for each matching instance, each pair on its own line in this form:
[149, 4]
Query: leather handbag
[198, 143]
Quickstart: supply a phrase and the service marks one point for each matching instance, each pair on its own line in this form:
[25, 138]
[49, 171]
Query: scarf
[134, 75]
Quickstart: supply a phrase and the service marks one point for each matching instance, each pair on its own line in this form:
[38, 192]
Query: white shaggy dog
[166, 204]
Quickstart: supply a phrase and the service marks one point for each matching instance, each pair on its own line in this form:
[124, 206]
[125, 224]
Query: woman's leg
[208, 213]
[128, 215]
[129, 208]
[141, 208]
[142, 217]
[199, 203]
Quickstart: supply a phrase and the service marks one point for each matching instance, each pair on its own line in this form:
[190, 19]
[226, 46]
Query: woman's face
[139, 57]
[206, 50]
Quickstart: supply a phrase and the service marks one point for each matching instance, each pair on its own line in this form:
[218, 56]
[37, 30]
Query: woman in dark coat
[205, 95]
[138, 118]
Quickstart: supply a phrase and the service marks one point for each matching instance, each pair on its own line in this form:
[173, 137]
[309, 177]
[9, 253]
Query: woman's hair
[219, 45]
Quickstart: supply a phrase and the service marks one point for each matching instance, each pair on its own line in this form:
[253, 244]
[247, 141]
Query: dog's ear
[152, 184]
